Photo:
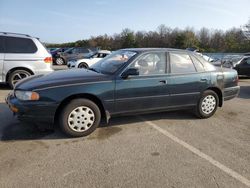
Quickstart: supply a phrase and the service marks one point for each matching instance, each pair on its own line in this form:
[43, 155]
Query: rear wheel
[207, 104]
[59, 61]
[80, 118]
[16, 76]
[83, 66]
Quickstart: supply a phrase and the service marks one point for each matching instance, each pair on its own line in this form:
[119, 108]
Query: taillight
[48, 60]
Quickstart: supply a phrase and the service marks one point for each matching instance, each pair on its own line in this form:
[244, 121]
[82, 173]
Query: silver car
[22, 56]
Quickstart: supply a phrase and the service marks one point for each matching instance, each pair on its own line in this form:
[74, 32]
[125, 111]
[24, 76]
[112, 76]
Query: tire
[16, 76]
[59, 61]
[75, 118]
[83, 66]
[207, 105]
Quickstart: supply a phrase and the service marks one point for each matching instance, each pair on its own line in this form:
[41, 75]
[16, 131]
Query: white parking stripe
[201, 154]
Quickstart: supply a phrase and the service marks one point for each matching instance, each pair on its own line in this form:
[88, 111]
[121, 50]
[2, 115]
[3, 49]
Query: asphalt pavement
[168, 149]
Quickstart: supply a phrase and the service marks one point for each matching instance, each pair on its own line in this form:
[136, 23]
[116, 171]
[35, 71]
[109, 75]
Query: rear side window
[1, 44]
[19, 45]
[181, 63]
[208, 66]
[198, 65]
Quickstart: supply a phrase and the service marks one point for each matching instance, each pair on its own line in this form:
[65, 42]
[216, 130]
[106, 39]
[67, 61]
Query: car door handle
[203, 79]
[163, 81]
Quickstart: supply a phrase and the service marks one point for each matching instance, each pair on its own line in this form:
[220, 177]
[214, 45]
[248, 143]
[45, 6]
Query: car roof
[155, 49]
[20, 35]
[104, 51]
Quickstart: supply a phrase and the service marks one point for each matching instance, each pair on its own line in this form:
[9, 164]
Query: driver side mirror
[130, 72]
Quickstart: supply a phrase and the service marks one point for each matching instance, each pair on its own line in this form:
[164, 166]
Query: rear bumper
[231, 92]
[32, 112]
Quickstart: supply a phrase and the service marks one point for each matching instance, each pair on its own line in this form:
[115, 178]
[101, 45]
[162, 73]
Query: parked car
[22, 56]
[72, 53]
[88, 61]
[242, 66]
[55, 53]
[52, 49]
[128, 81]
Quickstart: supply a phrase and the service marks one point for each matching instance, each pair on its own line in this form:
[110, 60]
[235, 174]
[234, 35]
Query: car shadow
[13, 130]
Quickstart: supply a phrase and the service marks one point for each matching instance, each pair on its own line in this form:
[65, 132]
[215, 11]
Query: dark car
[71, 53]
[128, 81]
[55, 54]
[242, 66]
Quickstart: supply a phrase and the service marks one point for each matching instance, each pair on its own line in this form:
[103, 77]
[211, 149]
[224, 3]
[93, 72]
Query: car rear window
[19, 45]
[1, 45]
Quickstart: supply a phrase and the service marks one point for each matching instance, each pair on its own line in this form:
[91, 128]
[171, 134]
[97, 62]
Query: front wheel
[80, 118]
[207, 104]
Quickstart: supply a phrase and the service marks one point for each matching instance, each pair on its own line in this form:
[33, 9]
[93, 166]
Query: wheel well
[84, 64]
[66, 101]
[18, 68]
[219, 93]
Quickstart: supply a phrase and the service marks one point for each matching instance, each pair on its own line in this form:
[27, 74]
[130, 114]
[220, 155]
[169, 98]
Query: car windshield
[110, 64]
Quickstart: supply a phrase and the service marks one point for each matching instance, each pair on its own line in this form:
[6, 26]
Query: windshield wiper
[92, 69]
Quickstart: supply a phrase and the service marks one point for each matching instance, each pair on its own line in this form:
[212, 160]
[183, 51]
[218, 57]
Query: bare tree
[246, 30]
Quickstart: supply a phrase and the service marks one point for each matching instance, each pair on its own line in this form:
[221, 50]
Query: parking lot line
[225, 169]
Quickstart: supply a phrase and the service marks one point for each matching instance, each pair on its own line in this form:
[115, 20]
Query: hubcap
[81, 119]
[19, 76]
[208, 104]
[59, 61]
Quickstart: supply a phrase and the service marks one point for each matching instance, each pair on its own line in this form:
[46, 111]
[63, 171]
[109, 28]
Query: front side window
[247, 60]
[19, 45]
[181, 63]
[110, 64]
[151, 64]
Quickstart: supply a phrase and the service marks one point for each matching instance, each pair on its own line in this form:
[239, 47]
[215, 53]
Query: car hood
[58, 78]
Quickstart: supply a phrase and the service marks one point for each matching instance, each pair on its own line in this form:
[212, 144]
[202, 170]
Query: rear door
[148, 90]
[1, 57]
[21, 52]
[244, 66]
[186, 81]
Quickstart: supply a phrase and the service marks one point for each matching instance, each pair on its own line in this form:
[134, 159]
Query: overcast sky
[64, 21]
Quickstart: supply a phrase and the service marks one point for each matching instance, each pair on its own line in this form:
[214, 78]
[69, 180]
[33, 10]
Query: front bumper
[231, 92]
[32, 111]
[71, 64]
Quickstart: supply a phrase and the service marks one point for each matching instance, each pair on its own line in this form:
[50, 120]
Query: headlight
[27, 95]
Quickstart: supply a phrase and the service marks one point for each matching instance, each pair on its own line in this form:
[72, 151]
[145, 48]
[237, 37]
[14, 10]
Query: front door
[148, 90]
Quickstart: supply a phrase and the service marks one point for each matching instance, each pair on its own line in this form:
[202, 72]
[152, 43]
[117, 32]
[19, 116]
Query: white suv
[22, 56]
